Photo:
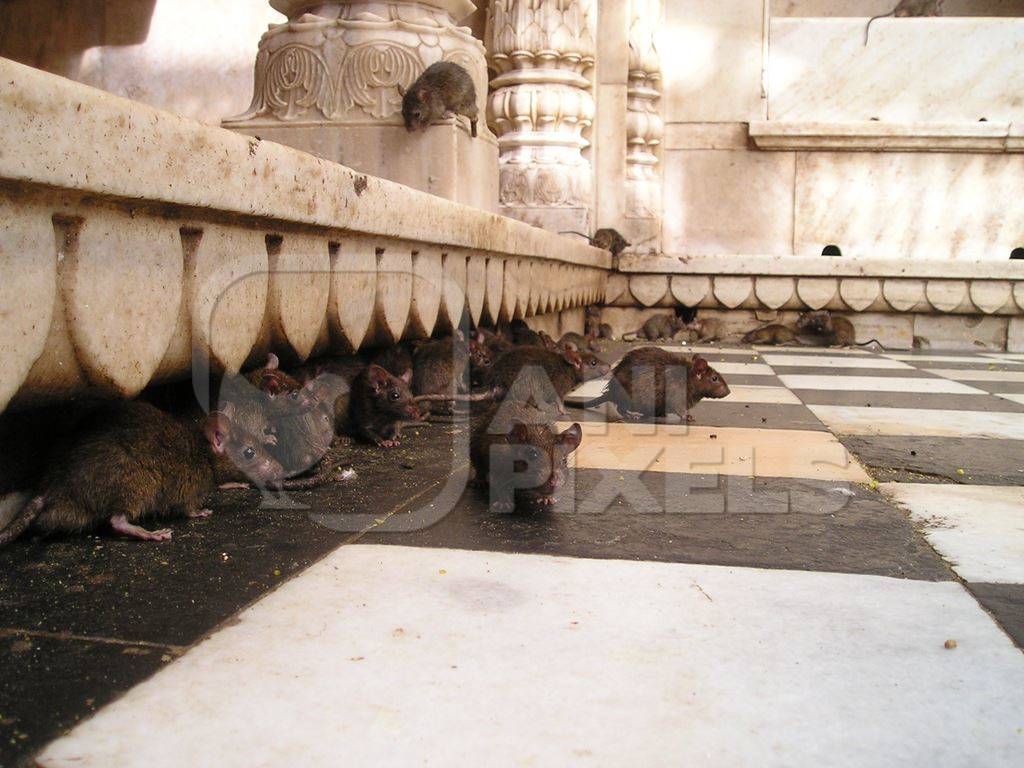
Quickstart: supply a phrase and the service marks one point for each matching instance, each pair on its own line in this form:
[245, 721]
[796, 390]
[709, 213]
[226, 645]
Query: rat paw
[502, 507]
[200, 513]
[389, 443]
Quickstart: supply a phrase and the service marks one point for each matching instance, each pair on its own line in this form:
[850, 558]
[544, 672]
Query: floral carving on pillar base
[644, 129]
[540, 107]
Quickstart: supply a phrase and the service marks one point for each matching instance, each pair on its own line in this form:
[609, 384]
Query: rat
[657, 327]
[546, 377]
[654, 382]
[444, 89]
[607, 239]
[906, 9]
[482, 353]
[396, 359]
[835, 331]
[283, 392]
[441, 366]
[516, 451]
[524, 335]
[706, 328]
[378, 404]
[771, 334]
[305, 437]
[592, 321]
[577, 341]
[130, 460]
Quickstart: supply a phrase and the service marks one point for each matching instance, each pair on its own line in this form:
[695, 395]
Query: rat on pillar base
[330, 81]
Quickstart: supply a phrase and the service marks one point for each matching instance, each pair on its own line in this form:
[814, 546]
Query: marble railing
[135, 244]
[820, 282]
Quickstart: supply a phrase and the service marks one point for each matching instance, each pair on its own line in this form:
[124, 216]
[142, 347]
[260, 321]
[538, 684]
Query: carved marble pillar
[330, 81]
[540, 107]
[644, 130]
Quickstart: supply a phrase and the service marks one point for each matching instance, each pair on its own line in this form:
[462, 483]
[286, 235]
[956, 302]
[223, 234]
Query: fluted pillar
[644, 129]
[541, 107]
[331, 79]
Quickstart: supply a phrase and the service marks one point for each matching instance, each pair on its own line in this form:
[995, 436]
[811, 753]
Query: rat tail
[631, 335]
[871, 341]
[479, 397]
[23, 518]
[867, 29]
[472, 128]
[574, 232]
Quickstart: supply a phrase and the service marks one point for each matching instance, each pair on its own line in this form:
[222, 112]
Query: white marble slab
[978, 359]
[812, 350]
[738, 393]
[829, 361]
[1012, 397]
[852, 420]
[383, 655]
[918, 206]
[747, 369]
[879, 384]
[978, 529]
[927, 70]
[977, 375]
[1015, 356]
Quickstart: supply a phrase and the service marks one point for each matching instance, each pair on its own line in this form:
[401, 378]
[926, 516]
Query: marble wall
[191, 57]
[873, 7]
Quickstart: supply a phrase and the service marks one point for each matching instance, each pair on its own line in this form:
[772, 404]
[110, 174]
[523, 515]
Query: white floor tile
[393, 656]
[968, 358]
[1014, 398]
[853, 420]
[1016, 356]
[829, 361]
[878, 384]
[811, 350]
[747, 369]
[978, 529]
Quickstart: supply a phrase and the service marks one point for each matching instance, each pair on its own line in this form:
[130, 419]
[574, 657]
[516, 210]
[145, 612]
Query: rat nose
[412, 411]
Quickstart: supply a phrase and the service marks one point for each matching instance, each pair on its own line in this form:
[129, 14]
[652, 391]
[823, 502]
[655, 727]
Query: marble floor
[823, 569]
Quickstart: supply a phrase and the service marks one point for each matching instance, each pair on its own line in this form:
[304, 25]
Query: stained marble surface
[820, 69]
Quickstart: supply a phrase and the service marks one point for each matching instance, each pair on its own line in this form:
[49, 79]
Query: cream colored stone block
[961, 332]
[394, 292]
[817, 292]
[426, 292]
[946, 295]
[1015, 335]
[706, 136]
[476, 286]
[712, 55]
[910, 70]
[991, 296]
[510, 289]
[353, 290]
[860, 294]
[733, 291]
[730, 202]
[775, 292]
[692, 290]
[610, 153]
[300, 286]
[495, 284]
[618, 289]
[28, 289]
[453, 290]
[908, 205]
[226, 283]
[904, 295]
[122, 287]
[648, 289]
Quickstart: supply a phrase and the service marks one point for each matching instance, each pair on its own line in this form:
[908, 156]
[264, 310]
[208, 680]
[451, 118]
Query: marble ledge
[878, 136]
[826, 266]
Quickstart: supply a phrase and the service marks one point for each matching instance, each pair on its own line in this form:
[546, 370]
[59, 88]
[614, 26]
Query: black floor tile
[768, 523]
[916, 400]
[1006, 603]
[50, 684]
[919, 459]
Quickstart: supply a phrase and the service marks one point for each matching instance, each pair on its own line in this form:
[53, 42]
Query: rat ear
[216, 428]
[228, 410]
[401, 89]
[272, 362]
[700, 365]
[407, 376]
[571, 438]
[518, 432]
[378, 376]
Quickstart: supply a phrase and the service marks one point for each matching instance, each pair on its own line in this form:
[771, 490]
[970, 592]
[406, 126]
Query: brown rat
[607, 238]
[129, 460]
[516, 451]
[283, 391]
[577, 341]
[378, 404]
[906, 9]
[482, 353]
[771, 334]
[706, 328]
[650, 381]
[546, 377]
[304, 437]
[444, 89]
[396, 359]
[524, 335]
[656, 328]
[835, 331]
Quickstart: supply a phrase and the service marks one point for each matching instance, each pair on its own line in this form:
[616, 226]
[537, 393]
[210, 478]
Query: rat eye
[394, 395]
[714, 378]
[249, 453]
[294, 394]
[593, 363]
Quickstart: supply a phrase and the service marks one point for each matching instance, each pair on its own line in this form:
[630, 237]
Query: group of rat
[118, 463]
